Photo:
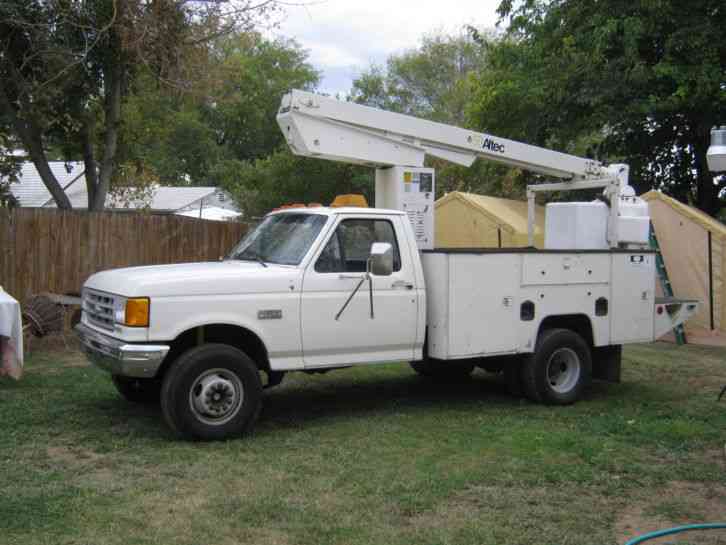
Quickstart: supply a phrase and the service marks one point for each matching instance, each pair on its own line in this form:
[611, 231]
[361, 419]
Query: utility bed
[487, 302]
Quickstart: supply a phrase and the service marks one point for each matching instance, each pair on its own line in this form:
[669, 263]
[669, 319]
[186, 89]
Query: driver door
[331, 277]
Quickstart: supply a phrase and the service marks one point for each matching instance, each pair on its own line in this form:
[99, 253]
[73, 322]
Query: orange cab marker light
[358, 201]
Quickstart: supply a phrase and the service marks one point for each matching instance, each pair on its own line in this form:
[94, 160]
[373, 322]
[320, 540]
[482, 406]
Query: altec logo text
[491, 145]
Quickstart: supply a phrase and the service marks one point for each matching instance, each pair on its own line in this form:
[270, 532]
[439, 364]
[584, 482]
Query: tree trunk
[89, 161]
[113, 75]
[31, 138]
[112, 112]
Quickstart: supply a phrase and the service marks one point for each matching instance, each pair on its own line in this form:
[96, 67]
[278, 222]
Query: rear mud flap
[607, 362]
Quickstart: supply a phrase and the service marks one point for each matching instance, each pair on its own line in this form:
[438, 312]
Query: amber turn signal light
[137, 312]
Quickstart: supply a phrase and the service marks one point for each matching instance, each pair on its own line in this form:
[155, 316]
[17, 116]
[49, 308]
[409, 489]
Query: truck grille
[98, 308]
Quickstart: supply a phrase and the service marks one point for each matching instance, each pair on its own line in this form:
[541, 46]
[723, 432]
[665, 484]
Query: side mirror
[380, 262]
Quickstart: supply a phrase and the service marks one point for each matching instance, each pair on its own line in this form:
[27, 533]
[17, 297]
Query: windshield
[283, 239]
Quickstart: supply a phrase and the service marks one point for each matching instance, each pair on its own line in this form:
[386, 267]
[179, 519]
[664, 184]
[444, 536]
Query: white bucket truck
[315, 289]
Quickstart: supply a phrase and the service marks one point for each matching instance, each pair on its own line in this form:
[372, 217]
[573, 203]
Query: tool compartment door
[483, 303]
[633, 297]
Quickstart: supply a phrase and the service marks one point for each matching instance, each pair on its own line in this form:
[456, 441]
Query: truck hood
[216, 277]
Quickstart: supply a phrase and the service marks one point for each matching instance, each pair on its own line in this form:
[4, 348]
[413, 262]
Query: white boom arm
[327, 128]
[323, 127]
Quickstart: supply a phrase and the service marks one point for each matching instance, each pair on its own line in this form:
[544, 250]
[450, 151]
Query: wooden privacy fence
[44, 250]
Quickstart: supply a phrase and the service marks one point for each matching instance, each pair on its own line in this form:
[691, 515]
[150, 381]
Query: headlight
[131, 311]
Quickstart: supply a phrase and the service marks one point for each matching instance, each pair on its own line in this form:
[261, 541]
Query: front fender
[274, 318]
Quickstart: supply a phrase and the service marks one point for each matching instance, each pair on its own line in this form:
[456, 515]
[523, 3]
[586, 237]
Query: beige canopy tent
[693, 245]
[467, 220]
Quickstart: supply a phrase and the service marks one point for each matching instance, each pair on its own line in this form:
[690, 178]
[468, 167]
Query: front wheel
[559, 370]
[212, 392]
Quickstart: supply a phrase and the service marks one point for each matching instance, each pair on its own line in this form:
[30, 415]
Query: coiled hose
[676, 530]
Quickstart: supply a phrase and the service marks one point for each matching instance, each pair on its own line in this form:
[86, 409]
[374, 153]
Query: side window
[330, 258]
[349, 247]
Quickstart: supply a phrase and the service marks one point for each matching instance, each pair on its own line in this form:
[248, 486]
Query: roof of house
[214, 213]
[508, 213]
[30, 189]
[704, 220]
[163, 198]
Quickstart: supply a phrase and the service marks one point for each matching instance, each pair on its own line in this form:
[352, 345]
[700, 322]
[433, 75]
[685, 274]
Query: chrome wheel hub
[216, 396]
[563, 370]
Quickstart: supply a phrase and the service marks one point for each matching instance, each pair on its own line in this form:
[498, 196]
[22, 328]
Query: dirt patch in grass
[86, 468]
[707, 382]
[266, 536]
[516, 514]
[674, 505]
[73, 458]
[717, 456]
[66, 341]
[52, 354]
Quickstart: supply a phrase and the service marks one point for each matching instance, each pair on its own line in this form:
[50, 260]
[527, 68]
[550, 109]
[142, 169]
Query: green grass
[369, 455]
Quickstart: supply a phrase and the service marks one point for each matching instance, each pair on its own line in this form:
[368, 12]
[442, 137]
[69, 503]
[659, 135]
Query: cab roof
[328, 211]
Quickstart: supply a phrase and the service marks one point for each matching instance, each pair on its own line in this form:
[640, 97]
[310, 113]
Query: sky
[343, 37]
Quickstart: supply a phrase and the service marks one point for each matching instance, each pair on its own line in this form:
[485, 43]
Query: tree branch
[86, 51]
[30, 135]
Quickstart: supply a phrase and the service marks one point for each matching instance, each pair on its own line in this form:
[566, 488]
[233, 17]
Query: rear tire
[138, 390]
[560, 368]
[212, 392]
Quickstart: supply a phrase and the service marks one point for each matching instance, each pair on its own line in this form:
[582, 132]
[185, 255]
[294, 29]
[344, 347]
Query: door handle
[351, 276]
[402, 284]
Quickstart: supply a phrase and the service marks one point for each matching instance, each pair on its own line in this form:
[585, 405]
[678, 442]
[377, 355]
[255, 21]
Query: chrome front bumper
[120, 358]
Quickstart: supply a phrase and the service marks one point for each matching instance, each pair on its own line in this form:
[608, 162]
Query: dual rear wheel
[556, 373]
[559, 369]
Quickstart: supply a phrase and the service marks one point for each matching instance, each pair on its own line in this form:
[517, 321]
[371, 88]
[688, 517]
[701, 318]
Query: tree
[254, 73]
[261, 185]
[433, 82]
[639, 82]
[430, 81]
[9, 169]
[228, 114]
[7, 199]
[165, 132]
[65, 70]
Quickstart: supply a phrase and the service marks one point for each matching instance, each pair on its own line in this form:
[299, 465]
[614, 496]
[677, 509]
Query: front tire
[560, 368]
[138, 390]
[212, 392]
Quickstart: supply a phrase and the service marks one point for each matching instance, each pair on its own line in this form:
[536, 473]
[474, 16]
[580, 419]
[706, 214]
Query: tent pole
[710, 281]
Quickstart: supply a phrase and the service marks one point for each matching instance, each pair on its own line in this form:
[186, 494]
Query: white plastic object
[634, 221]
[576, 226]
[716, 154]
